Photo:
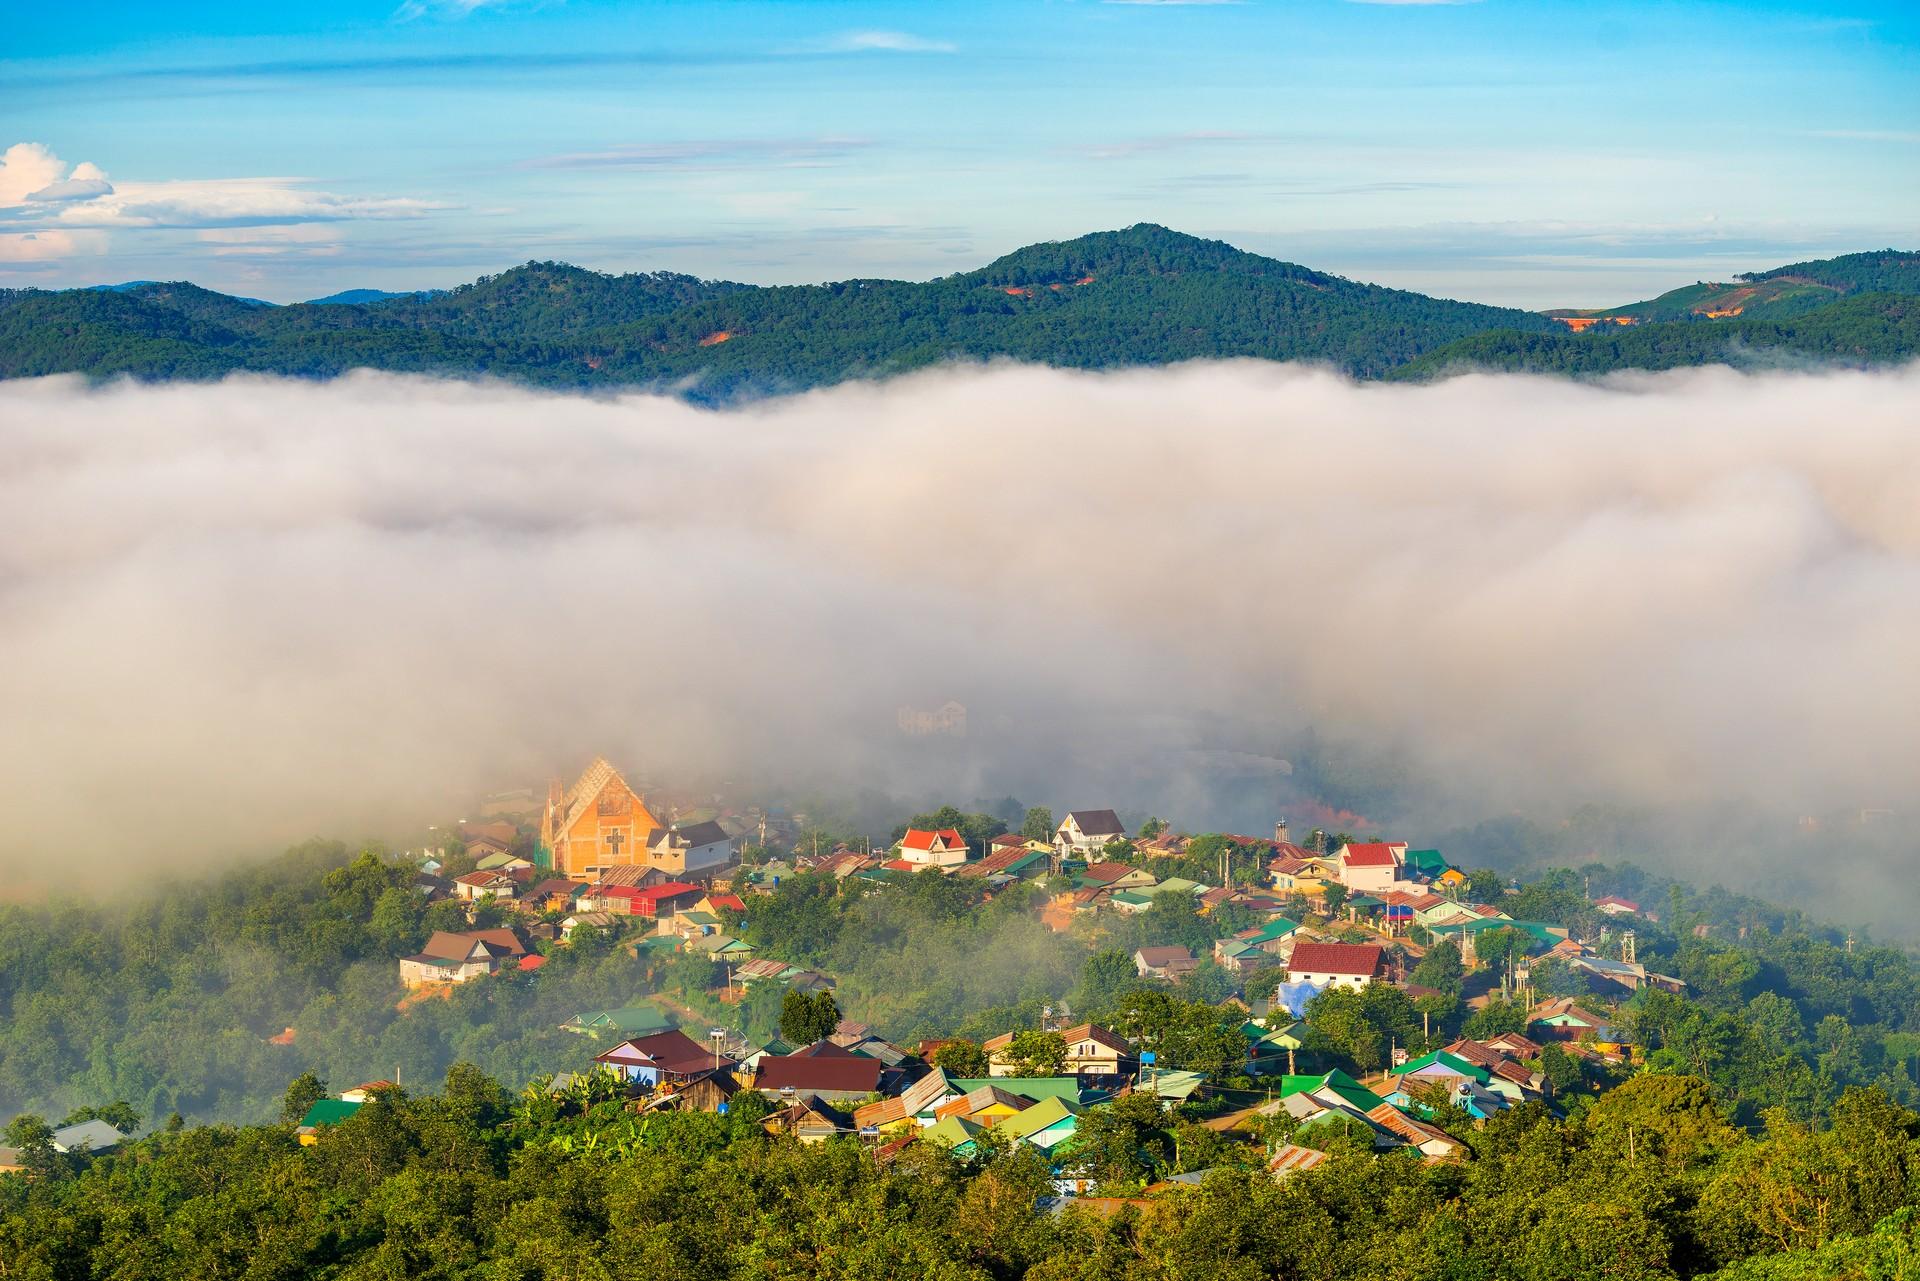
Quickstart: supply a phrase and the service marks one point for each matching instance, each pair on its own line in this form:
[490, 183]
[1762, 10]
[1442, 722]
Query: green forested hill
[1773, 295]
[1859, 331]
[1145, 295]
[1142, 296]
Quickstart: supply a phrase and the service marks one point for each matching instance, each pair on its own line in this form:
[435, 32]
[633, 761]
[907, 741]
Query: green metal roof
[329, 1112]
[1426, 862]
[1027, 1087]
[1043, 1115]
[1451, 1062]
[1276, 928]
[952, 1132]
[1347, 1089]
[634, 1020]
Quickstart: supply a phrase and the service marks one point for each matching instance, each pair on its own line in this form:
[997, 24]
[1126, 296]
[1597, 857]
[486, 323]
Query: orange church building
[597, 824]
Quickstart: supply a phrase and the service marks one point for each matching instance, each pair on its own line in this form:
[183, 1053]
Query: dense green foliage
[1857, 331]
[1649, 1183]
[1141, 296]
[169, 1002]
[1879, 271]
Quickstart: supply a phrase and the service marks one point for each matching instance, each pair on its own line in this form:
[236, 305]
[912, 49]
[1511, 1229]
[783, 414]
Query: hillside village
[1298, 949]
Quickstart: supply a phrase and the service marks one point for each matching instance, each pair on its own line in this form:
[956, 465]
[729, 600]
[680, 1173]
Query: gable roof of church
[586, 790]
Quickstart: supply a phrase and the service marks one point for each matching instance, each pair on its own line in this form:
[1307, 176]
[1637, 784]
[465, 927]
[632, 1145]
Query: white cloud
[31, 174]
[885, 42]
[233, 202]
[709, 154]
[39, 192]
[49, 246]
[1660, 590]
[413, 9]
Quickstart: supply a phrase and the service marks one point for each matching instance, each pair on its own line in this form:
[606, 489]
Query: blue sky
[1535, 152]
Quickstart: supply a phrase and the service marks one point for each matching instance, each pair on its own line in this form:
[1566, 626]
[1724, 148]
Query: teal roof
[1426, 862]
[1364, 900]
[1348, 1090]
[1542, 933]
[1177, 1083]
[1133, 898]
[1277, 928]
[634, 1020]
[1027, 1087]
[1449, 1062]
[1282, 1038]
[329, 1112]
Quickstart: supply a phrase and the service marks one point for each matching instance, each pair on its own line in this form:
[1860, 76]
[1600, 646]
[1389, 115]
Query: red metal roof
[1370, 854]
[1335, 958]
[856, 1075]
[671, 889]
[917, 839]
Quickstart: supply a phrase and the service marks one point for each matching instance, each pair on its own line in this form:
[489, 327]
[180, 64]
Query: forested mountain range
[1142, 296]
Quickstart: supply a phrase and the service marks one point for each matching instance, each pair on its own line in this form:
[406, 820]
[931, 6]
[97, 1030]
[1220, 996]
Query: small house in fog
[944, 849]
[456, 958]
[1083, 833]
[690, 850]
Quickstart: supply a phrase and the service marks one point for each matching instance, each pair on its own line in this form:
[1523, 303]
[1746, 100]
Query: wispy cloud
[1863, 135]
[882, 42]
[413, 9]
[1157, 144]
[1175, 4]
[1413, 2]
[37, 247]
[386, 68]
[709, 154]
[234, 202]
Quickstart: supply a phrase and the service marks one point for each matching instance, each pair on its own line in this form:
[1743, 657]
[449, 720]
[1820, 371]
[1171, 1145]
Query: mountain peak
[1144, 249]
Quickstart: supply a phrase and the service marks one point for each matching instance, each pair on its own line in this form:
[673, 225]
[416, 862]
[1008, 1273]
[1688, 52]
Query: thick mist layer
[236, 615]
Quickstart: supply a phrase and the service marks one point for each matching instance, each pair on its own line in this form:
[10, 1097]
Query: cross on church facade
[614, 839]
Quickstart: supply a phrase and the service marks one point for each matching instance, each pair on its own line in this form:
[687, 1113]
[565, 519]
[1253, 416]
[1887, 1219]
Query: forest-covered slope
[1142, 296]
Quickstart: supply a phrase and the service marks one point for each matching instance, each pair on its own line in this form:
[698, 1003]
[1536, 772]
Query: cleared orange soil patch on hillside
[439, 992]
[716, 338]
[1015, 291]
